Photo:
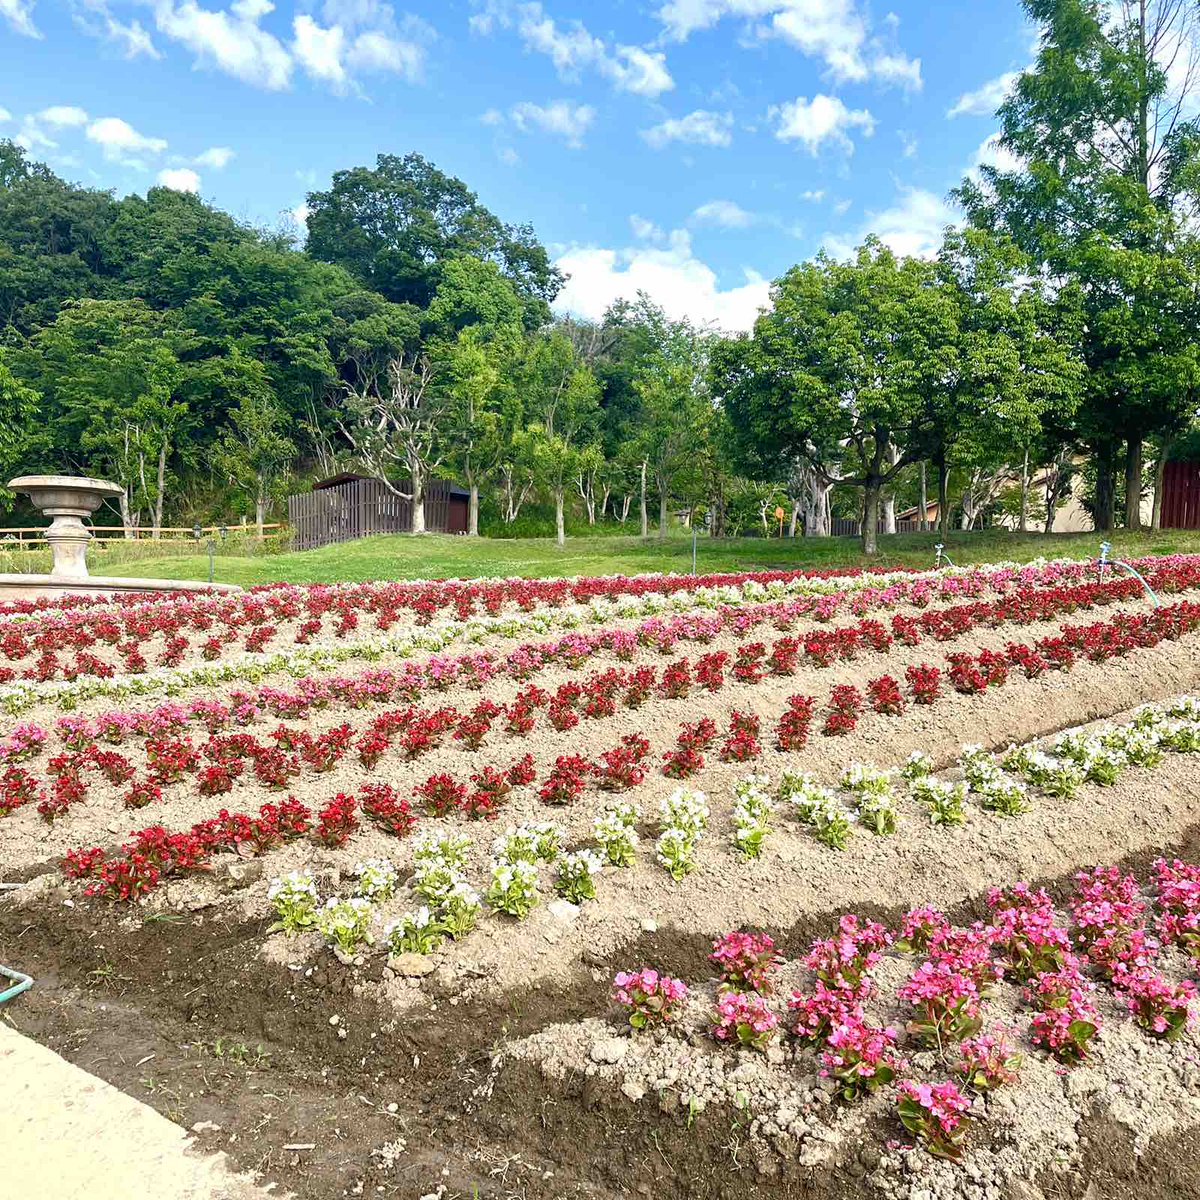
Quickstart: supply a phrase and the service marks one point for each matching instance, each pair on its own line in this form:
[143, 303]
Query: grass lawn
[441, 556]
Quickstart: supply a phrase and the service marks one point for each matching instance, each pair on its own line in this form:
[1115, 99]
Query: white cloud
[121, 142]
[671, 275]
[573, 49]
[375, 51]
[639, 71]
[96, 20]
[231, 40]
[644, 230]
[913, 226]
[992, 153]
[984, 101]
[813, 197]
[319, 51]
[838, 32]
[908, 143]
[299, 214]
[179, 179]
[560, 118]
[62, 116]
[19, 15]
[5, 115]
[819, 120]
[702, 128]
[215, 156]
[723, 213]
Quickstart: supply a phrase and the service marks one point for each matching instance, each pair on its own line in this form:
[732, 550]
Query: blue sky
[693, 148]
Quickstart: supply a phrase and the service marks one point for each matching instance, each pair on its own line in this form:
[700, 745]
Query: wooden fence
[849, 527]
[32, 536]
[1181, 496]
[360, 508]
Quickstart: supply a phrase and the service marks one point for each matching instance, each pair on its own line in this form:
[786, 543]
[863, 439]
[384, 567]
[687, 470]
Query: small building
[1181, 496]
[348, 506]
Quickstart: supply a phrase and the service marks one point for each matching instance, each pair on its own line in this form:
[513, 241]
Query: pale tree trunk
[1023, 524]
[662, 511]
[418, 497]
[126, 518]
[870, 528]
[260, 516]
[645, 512]
[923, 500]
[473, 510]
[560, 529]
[889, 501]
[794, 522]
[1160, 470]
[604, 499]
[162, 479]
[1133, 483]
[626, 504]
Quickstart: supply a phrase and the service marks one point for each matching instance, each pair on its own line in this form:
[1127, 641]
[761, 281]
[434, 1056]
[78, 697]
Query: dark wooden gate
[360, 508]
[1181, 495]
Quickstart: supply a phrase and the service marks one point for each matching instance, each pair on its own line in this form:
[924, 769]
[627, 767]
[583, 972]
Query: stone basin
[68, 499]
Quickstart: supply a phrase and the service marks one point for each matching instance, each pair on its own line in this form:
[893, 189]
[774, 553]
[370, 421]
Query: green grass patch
[437, 556]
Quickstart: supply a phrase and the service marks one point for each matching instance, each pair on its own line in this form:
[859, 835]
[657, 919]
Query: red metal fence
[1181, 495]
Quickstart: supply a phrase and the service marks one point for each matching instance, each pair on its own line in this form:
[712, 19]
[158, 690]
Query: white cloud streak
[699, 128]
[670, 274]
[820, 120]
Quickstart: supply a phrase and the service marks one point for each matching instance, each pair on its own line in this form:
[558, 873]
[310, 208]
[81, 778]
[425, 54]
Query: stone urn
[68, 499]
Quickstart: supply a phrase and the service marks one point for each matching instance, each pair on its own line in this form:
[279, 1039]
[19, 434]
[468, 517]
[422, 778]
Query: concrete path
[66, 1135]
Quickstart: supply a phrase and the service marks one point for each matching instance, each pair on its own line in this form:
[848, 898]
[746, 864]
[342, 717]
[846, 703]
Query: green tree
[21, 431]
[562, 400]
[396, 225]
[1103, 197]
[1006, 364]
[112, 386]
[252, 452]
[672, 425]
[846, 355]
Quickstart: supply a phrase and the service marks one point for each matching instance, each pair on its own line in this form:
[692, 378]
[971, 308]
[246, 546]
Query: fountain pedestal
[68, 499]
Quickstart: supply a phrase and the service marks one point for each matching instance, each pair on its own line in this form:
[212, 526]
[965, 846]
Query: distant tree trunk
[1023, 523]
[923, 500]
[645, 513]
[662, 511]
[126, 517]
[418, 497]
[870, 527]
[1133, 482]
[794, 522]
[473, 510]
[260, 515]
[162, 480]
[1104, 452]
[1160, 470]
[626, 504]
[943, 470]
[560, 530]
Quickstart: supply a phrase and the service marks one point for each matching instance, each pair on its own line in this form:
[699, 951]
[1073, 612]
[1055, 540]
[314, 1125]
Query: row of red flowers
[128, 630]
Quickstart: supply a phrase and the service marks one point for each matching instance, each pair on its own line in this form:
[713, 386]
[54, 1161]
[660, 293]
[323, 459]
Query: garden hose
[22, 983]
[1105, 561]
[942, 556]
